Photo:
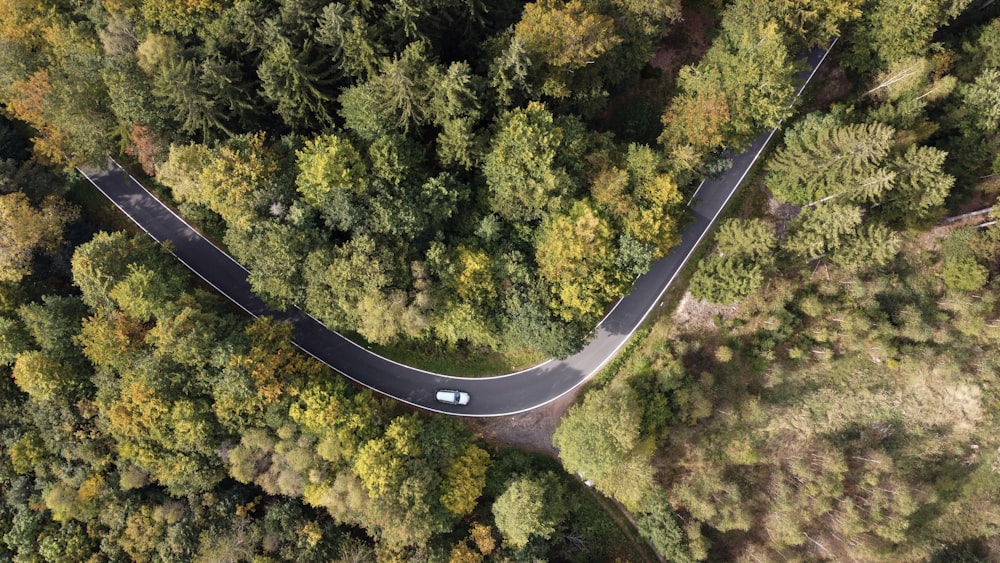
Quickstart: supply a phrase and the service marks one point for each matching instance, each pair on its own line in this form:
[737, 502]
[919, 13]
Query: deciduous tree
[26, 230]
[531, 506]
[563, 37]
[575, 254]
[520, 168]
[599, 439]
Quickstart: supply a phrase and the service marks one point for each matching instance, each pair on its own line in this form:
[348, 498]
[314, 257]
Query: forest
[487, 177]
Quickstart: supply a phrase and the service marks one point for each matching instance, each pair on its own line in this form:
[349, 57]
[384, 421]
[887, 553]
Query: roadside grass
[459, 362]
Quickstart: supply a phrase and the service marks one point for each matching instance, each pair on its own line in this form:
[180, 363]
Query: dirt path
[527, 431]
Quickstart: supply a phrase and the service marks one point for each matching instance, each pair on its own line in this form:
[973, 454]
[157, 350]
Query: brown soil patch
[527, 431]
[783, 213]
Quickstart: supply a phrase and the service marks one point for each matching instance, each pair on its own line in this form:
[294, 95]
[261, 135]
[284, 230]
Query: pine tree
[921, 186]
[873, 245]
[299, 80]
[178, 87]
[822, 229]
[821, 159]
[509, 73]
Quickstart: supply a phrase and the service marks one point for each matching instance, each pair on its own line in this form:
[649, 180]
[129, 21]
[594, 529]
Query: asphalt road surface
[491, 396]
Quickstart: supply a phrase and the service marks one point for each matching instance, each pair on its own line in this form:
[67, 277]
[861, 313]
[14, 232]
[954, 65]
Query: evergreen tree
[299, 81]
[921, 186]
[822, 159]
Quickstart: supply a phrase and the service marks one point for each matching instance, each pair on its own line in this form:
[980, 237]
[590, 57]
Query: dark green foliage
[744, 255]
[822, 158]
[660, 525]
[299, 81]
[890, 30]
[531, 506]
[274, 252]
[179, 88]
[129, 91]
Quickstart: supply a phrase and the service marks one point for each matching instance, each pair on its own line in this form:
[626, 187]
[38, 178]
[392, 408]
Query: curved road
[491, 396]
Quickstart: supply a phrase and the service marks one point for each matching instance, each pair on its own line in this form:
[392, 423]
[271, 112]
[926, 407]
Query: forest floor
[636, 110]
[686, 42]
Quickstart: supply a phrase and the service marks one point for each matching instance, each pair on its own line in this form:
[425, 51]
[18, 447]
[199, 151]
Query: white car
[452, 397]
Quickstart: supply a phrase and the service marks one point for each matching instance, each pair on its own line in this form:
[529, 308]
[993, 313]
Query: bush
[964, 274]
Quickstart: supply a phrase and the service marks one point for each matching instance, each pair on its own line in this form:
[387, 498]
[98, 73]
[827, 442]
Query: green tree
[143, 293]
[921, 186]
[873, 245]
[651, 16]
[599, 440]
[181, 332]
[742, 85]
[563, 37]
[13, 340]
[521, 168]
[342, 29]
[53, 324]
[746, 238]
[464, 481]
[575, 254]
[130, 98]
[509, 72]
[744, 255]
[357, 287]
[817, 21]
[41, 377]
[328, 163]
[822, 158]
[235, 176]
[299, 81]
[890, 30]
[823, 229]
[181, 17]
[755, 68]
[964, 274]
[659, 524]
[403, 85]
[179, 88]
[274, 253]
[982, 101]
[101, 263]
[531, 505]
[182, 171]
[698, 116]
[724, 280]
